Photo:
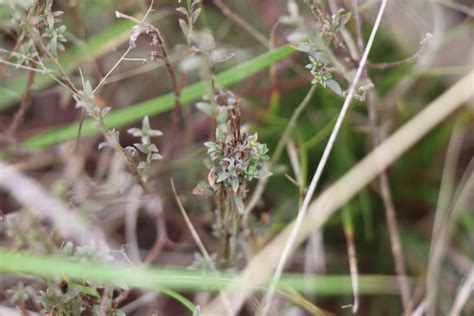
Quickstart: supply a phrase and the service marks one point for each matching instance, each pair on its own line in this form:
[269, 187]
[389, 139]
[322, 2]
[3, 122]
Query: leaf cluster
[236, 157]
[146, 146]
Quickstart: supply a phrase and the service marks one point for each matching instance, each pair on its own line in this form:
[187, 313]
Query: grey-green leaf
[334, 86]
[263, 174]
[206, 108]
[196, 15]
[141, 147]
[235, 184]
[305, 47]
[182, 10]
[239, 204]
[222, 177]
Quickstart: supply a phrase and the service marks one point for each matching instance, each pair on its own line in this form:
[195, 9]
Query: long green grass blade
[96, 46]
[178, 279]
[160, 104]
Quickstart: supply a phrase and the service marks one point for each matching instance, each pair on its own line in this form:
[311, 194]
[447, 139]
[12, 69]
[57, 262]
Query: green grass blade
[96, 46]
[180, 298]
[179, 279]
[160, 104]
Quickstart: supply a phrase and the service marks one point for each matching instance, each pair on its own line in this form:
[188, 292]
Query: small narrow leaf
[104, 111]
[235, 184]
[206, 108]
[156, 157]
[142, 165]
[305, 47]
[196, 15]
[141, 147]
[182, 10]
[102, 145]
[261, 174]
[222, 177]
[220, 56]
[184, 26]
[345, 18]
[239, 204]
[146, 123]
[334, 86]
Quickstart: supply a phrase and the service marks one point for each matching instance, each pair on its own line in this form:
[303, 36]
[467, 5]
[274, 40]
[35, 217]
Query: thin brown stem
[358, 25]
[14, 49]
[37, 39]
[128, 160]
[24, 105]
[104, 304]
[158, 41]
[351, 254]
[241, 22]
[172, 73]
[54, 60]
[406, 61]
[391, 218]
[161, 237]
[160, 241]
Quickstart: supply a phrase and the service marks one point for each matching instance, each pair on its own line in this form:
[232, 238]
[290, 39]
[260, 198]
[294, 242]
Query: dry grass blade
[259, 269]
[190, 225]
[352, 256]
[444, 198]
[444, 224]
[42, 204]
[464, 293]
